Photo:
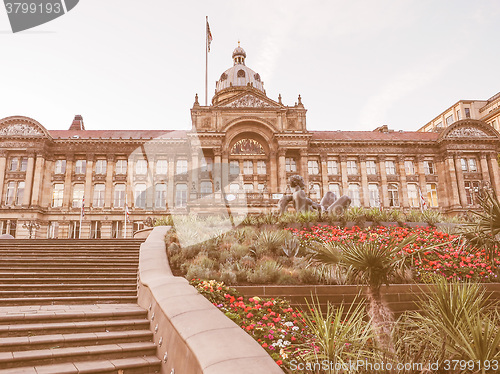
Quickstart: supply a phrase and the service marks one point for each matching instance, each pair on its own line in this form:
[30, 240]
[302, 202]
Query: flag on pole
[209, 36]
[82, 212]
[127, 212]
[423, 204]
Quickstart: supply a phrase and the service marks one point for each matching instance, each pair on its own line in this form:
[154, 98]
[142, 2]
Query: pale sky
[126, 64]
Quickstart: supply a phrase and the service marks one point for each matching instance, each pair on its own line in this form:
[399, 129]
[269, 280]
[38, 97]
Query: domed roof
[239, 75]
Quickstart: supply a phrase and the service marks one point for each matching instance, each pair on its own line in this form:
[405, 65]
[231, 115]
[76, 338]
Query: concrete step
[33, 329]
[63, 292]
[129, 286]
[68, 339]
[5, 281]
[74, 354]
[69, 274]
[37, 314]
[135, 365]
[81, 268]
[71, 300]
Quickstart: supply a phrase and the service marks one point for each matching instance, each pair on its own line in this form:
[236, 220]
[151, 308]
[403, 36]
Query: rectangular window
[141, 167]
[78, 191]
[121, 167]
[161, 195]
[261, 187]
[413, 196]
[290, 165]
[467, 112]
[74, 230]
[119, 196]
[371, 168]
[206, 164]
[439, 125]
[458, 115]
[449, 120]
[393, 195]
[24, 164]
[206, 188]
[390, 167]
[117, 229]
[472, 165]
[463, 163]
[313, 167]
[10, 194]
[181, 195]
[95, 229]
[315, 190]
[261, 167]
[432, 196]
[53, 230]
[57, 195]
[429, 167]
[99, 191]
[140, 195]
[471, 190]
[234, 188]
[80, 166]
[352, 167]
[234, 167]
[60, 167]
[248, 187]
[20, 193]
[182, 167]
[161, 167]
[332, 167]
[14, 164]
[247, 167]
[374, 195]
[335, 188]
[409, 167]
[100, 167]
[354, 194]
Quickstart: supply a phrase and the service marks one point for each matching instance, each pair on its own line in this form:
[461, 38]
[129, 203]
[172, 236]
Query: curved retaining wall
[192, 335]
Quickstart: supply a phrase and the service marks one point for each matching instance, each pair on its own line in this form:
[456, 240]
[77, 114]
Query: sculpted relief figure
[302, 203]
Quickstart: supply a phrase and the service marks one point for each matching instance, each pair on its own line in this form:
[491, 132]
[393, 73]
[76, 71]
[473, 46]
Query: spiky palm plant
[373, 263]
[338, 335]
[485, 233]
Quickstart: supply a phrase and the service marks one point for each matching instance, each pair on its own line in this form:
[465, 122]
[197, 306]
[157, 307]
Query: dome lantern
[239, 55]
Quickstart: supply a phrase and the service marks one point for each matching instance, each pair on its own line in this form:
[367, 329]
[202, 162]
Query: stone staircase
[70, 306]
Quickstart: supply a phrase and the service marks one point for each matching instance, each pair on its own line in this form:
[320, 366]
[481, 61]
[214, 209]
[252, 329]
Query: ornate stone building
[241, 149]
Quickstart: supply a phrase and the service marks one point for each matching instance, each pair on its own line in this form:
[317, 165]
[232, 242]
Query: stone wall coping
[211, 342]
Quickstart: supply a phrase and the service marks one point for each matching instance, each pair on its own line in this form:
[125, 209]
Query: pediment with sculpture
[470, 129]
[249, 100]
[21, 127]
[247, 147]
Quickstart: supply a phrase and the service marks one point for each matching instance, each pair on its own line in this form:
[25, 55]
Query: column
[282, 170]
[484, 168]
[225, 171]
[442, 185]
[67, 182]
[304, 172]
[495, 174]
[365, 193]
[402, 179]
[343, 172]
[88, 180]
[453, 196]
[110, 168]
[29, 180]
[46, 184]
[324, 174]
[3, 164]
[273, 172]
[193, 172]
[171, 183]
[422, 182]
[383, 182]
[460, 181]
[38, 180]
[217, 177]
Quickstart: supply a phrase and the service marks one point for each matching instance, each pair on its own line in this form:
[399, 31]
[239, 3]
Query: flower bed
[272, 322]
[451, 259]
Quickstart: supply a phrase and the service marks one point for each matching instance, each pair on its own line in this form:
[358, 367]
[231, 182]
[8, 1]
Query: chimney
[77, 123]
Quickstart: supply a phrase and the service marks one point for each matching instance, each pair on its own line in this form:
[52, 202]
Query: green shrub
[265, 273]
[198, 271]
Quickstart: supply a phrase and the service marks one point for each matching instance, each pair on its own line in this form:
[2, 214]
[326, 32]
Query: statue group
[329, 202]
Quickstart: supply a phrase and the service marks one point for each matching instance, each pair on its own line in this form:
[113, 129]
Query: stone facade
[242, 148]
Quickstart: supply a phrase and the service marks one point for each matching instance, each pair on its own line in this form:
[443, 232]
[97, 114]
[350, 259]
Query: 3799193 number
[33, 8]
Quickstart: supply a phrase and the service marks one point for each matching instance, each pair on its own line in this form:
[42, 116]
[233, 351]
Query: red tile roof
[375, 135]
[117, 134]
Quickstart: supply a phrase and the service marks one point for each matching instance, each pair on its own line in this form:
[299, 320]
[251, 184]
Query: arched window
[140, 195]
[393, 195]
[354, 194]
[181, 195]
[161, 195]
[247, 147]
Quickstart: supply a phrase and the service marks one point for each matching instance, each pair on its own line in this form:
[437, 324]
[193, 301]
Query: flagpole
[206, 62]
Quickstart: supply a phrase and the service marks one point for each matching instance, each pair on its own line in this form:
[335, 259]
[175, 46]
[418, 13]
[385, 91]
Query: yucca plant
[458, 322]
[338, 335]
[485, 233]
[372, 263]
